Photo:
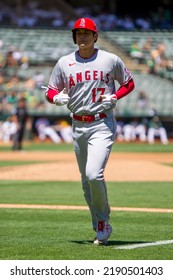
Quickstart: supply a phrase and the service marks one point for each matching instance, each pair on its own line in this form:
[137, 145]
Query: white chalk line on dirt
[76, 207]
[140, 245]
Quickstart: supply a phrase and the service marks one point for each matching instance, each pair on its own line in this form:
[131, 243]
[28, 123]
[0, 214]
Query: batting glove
[61, 98]
[109, 101]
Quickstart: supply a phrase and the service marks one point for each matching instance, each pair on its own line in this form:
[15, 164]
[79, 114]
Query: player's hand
[61, 98]
[109, 101]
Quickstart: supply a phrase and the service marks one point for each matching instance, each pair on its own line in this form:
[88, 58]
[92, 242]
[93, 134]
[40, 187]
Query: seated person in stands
[44, 130]
[136, 52]
[135, 130]
[158, 60]
[156, 129]
[65, 130]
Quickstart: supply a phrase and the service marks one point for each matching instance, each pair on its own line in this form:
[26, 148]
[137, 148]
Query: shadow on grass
[110, 242]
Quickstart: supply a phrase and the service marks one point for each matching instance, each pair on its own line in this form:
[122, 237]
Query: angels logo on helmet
[82, 22]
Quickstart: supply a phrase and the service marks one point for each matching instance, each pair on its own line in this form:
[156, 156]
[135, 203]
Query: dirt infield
[80, 207]
[62, 166]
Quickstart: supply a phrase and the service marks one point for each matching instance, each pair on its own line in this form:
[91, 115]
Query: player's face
[85, 38]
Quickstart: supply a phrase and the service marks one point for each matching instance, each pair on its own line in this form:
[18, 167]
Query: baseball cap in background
[85, 23]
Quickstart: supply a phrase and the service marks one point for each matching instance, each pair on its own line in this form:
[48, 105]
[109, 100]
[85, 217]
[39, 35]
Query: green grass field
[117, 147]
[49, 234]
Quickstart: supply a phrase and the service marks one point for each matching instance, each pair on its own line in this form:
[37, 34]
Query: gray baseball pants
[92, 143]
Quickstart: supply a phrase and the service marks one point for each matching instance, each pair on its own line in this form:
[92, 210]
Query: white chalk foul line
[140, 245]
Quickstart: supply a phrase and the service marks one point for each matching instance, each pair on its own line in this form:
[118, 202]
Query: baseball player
[20, 115]
[85, 81]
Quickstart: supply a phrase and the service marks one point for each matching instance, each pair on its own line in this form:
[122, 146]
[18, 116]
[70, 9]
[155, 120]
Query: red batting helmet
[84, 23]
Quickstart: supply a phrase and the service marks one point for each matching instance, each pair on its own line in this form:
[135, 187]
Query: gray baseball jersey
[87, 79]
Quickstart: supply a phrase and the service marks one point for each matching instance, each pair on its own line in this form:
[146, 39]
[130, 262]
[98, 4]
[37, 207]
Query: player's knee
[91, 175]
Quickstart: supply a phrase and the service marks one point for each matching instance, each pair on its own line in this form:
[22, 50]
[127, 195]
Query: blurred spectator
[42, 13]
[65, 130]
[12, 97]
[20, 117]
[158, 62]
[16, 58]
[39, 79]
[148, 45]
[10, 61]
[2, 60]
[136, 52]
[129, 132]
[26, 19]
[119, 130]
[140, 129]
[44, 130]
[142, 100]
[143, 23]
[24, 62]
[1, 43]
[126, 23]
[13, 81]
[33, 102]
[135, 130]
[17, 54]
[162, 17]
[58, 20]
[5, 106]
[155, 130]
[7, 130]
[107, 21]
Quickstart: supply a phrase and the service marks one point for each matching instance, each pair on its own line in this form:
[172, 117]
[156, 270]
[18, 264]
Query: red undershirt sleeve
[49, 94]
[125, 89]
